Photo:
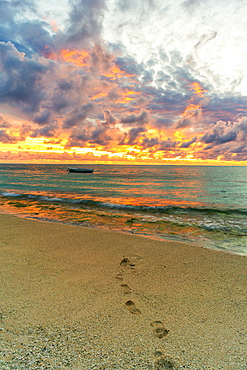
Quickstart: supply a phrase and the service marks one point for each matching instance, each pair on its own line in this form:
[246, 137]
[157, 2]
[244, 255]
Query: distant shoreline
[90, 163]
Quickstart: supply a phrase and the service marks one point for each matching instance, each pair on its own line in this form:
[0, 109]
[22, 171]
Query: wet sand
[80, 298]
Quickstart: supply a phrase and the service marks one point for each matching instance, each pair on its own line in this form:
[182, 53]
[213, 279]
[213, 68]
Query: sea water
[200, 205]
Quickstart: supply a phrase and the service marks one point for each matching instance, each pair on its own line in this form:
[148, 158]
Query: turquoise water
[202, 205]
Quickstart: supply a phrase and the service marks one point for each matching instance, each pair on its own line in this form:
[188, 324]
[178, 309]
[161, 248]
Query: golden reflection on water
[146, 193]
[158, 226]
[153, 226]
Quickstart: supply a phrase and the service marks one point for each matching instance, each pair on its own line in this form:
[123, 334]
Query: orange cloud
[77, 57]
[98, 96]
[198, 89]
[125, 96]
[115, 73]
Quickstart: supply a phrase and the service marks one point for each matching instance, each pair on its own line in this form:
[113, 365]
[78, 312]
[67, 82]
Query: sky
[123, 81]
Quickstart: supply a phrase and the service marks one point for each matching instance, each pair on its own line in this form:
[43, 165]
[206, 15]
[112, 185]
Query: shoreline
[84, 298]
[208, 244]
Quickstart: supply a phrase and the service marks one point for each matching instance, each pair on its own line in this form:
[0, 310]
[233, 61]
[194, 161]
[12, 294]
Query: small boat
[80, 170]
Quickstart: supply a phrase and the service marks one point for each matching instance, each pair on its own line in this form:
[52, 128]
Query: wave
[169, 209]
[9, 194]
[220, 228]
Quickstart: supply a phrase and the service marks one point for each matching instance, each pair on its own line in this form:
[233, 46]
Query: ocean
[200, 205]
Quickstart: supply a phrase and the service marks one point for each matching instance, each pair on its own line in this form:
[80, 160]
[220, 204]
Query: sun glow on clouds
[101, 82]
[77, 57]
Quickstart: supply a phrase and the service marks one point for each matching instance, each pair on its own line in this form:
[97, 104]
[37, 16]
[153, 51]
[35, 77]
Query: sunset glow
[77, 57]
[84, 86]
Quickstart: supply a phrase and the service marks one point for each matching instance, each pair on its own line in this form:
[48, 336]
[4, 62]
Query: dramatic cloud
[5, 138]
[133, 119]
[143, 80]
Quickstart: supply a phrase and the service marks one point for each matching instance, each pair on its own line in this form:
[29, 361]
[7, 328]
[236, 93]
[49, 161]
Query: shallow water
[202, 205]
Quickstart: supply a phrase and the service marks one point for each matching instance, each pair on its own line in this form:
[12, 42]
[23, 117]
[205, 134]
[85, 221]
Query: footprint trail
[159, 329]
[127, 266]
[132, 308]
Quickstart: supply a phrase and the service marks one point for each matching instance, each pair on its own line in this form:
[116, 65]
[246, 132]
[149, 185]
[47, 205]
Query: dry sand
[77, 298]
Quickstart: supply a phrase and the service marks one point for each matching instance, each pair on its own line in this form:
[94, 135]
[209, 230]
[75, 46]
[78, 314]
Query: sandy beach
[80, 298]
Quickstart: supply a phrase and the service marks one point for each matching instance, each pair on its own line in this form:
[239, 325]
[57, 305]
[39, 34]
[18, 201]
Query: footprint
[159, 329]
[126, 288]
[164, 362]
[119, 276]
[132, 308]
[125, 262]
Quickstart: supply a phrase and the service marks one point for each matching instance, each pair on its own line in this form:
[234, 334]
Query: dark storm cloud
[187, 144]
[225, 108]
[43, 118]
[240, 149]
[59, 102]
[99, 134]
[218, 138]
[46, 131]
[168, 144]
[135, 119]
[85, 22]
[133, 134]
[167, 107]
[20, 78]
[166, 99]
[78, 137]
[164, 123]
[78, 115]
[226, 139]
[221, 133]
[35, 36]
[65, 85]
[149, 143]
